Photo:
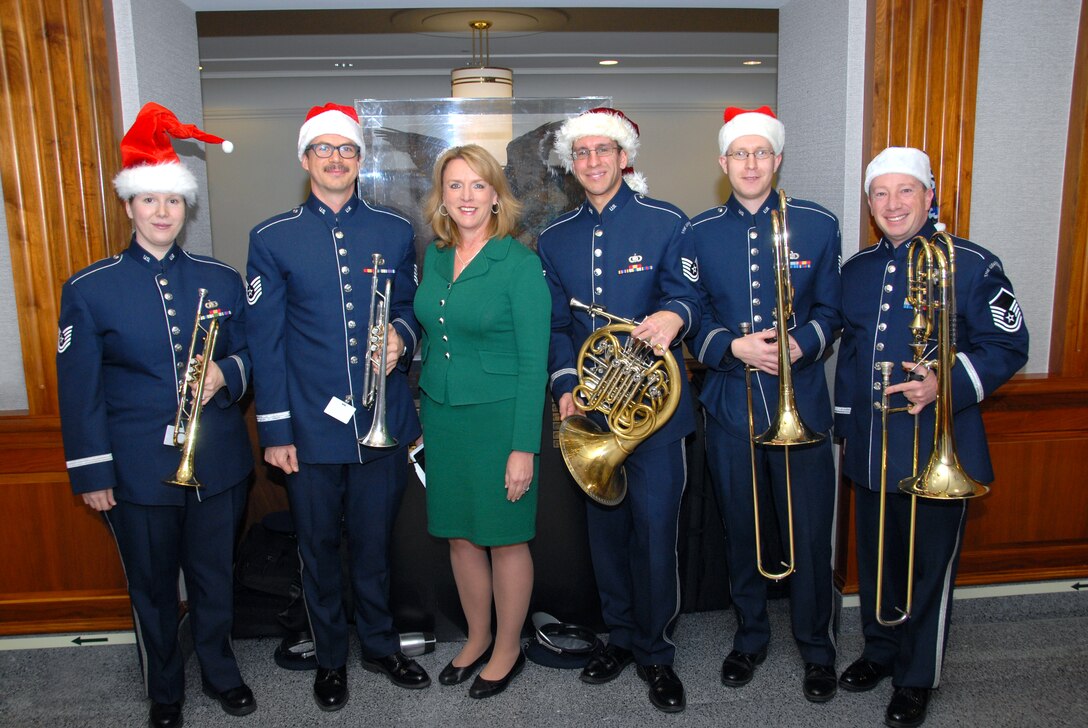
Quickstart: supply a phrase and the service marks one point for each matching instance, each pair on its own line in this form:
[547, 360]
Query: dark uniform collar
[148, 260]
[619, 200]
[736, 208]
[326, 213]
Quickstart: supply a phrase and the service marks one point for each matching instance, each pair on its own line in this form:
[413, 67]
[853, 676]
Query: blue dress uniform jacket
[991, 345]
[727, 236]
[635, 258]
[310, 342]
[126, 323]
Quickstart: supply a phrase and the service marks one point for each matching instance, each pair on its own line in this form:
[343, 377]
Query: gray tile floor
[1012, 661]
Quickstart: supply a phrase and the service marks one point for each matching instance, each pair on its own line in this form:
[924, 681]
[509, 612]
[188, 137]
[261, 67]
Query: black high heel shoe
[482, 688]
[453, 675]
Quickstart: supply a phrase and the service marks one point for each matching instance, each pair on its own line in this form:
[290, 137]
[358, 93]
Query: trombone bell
[943, 480]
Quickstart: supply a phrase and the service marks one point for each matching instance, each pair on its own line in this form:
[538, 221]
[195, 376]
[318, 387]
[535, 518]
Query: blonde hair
[502, 223]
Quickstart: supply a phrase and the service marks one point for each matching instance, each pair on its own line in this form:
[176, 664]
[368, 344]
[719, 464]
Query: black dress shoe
[738, 667]
[907, 707]
[482, 688]
[666, 690]
[236, 701]
[863, 675]
[820, 684]
[453, 675]
[165, 715]
[331, 688]
[401, 670]
[606, 665]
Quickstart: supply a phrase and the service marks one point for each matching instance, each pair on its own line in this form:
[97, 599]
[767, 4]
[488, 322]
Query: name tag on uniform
[169, 439]
[340, 410]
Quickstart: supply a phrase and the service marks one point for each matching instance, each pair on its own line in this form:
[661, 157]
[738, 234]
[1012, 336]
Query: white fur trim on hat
[169, 178]
[330, 122]
[900, 160]
[637, 182]
[595, 124]
[752, 122]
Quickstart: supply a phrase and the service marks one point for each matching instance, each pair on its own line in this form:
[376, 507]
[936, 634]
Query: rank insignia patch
[64, 339]
[1006, 311]
[253, 290]
[691, 269]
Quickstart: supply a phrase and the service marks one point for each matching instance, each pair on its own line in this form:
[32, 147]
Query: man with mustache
[310, 273]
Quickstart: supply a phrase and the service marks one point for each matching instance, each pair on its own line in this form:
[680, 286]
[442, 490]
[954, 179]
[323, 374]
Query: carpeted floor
[1012, 661]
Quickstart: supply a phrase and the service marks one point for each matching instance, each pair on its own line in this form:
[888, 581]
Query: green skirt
[467, 447]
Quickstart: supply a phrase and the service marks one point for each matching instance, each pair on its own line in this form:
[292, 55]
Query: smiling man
[632, 255]
[310, 276]
[991, 343]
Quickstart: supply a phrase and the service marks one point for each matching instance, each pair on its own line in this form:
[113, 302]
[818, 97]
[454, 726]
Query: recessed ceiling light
[753, 63]
[608, 62]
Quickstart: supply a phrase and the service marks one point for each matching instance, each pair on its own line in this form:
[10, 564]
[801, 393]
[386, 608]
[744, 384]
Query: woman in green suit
[485, 311]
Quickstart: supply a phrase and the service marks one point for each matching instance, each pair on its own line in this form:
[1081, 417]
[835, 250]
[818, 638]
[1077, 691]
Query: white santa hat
[742, 122]
[605, 122]
[330, 119]
[900, 160]
[148, 160]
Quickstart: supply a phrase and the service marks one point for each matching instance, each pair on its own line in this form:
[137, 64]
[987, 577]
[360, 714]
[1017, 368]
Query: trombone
[191, 388]
[377, 339]
[931, 288]
[787, 428]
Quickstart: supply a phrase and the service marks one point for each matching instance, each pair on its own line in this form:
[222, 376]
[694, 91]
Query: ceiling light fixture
[753, 63]
[609, 62]
[481, 80]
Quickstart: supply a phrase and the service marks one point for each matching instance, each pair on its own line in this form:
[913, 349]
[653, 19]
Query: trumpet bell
[788, 429]
[943, 480]
[595, 459]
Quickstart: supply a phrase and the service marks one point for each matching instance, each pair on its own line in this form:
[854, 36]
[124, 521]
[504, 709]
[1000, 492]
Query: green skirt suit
[484, 351]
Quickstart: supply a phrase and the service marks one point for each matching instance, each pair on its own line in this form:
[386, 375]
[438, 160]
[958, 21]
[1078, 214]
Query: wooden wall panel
[1069, 327]
[925, 76]
[57, 156]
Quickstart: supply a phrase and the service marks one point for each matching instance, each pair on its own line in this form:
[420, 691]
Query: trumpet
[191, 387]
[787, 428]
[637, 392]
[377, 339]
[931, 270]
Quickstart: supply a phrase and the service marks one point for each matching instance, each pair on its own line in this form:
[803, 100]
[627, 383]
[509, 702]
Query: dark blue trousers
[633, 547]
[154, 542]
[914, 649]
[814, 601]
[363, 498]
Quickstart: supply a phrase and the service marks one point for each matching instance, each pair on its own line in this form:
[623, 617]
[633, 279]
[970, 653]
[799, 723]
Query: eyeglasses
[324, 151]
[742, 154]
[602, 152]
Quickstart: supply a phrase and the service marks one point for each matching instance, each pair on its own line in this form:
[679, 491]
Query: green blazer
[486, 335]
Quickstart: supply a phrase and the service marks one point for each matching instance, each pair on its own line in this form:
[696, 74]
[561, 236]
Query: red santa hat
[605, 122]
[330, 119]
[148, 160]
[742, 122]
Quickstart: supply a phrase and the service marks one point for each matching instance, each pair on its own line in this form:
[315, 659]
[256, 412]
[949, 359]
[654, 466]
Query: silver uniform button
[755, 301]
[598, 233]
[755, 284]
[171, 312]
[342, 251]
[349, 305]
[884, 306]
[175, 331]
[597, 252]
[598, 290]
[445, 338]
[597, 271]
[442, 302]
[755, 267]
[757, 318]
[347, 287]
[891, 267]
[177, 347]
[447, 355]
[876, 385]
[163, 281]
[338, 235]
[876, 405]
[345, 270]
[882, 326]
[354, 360]
[351, 324]
[888, 288]
[168, 296]
[353, 341]
[754, 251]
[442, 320]
[753, 234]
[880, 347]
